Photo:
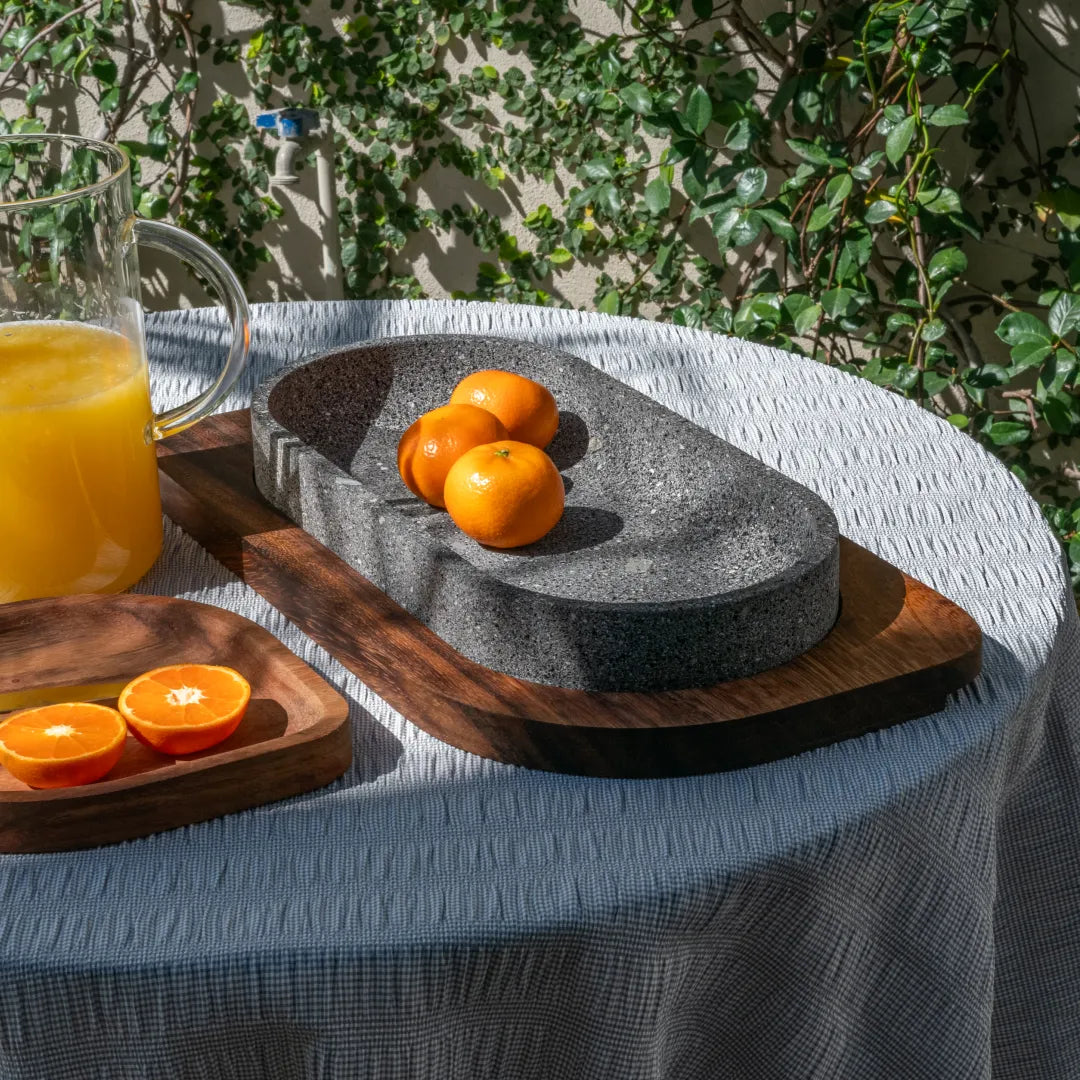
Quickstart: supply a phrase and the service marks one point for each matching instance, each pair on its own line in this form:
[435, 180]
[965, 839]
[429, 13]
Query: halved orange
[185, 707]
[57, 746]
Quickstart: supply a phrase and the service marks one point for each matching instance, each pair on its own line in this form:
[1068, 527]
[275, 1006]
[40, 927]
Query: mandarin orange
[434, 442]
[505, 494]
[63, 745]
[527, 409]
[184, 708]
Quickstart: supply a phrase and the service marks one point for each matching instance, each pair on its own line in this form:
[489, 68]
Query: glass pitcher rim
[105, 149]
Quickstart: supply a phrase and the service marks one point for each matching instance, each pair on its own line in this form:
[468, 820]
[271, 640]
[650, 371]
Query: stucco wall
[449, 262]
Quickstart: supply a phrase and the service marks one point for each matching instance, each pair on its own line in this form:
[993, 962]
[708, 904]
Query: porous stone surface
[680, 561]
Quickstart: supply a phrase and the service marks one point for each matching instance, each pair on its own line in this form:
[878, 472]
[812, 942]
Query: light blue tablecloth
[903, 905]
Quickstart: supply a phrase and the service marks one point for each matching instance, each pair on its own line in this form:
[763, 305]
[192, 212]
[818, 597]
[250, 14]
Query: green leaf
[1019, 328]
[897, 320]
[878, 211]
[933, 382]
[778, 223]
[636, 98]
[442, 34]
[609, 70]
[110, 100]
[693, 177]
[905, 376]
[703, 9]
[1028, 354]
[746, 228]
[490, 72]
[739, 135]
[958, 420]
[794, 304]
[350, 253]
[891, 116]
[1009, 433]
[939, 200]
[559, 256]
[663, 260]
[948, 115]
[597, 169]
[187, 82]
[838, 189]
[750, 185]
[698, 110]
[987, 376]
[1065, 314]
[807, 319]
[947, 263]
[104, 70]
[63, 49]
[609, 303]
[840, 302]
[899, 139]
[933, 330]
[821, 217]
[809, 151]
[658, 195]
[776, 23]
[152, 205]
[922, 20]
[1065, 202]
[609, 197]
[1058, 416]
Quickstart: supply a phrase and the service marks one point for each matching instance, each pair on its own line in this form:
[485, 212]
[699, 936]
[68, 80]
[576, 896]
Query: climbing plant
[791, 178]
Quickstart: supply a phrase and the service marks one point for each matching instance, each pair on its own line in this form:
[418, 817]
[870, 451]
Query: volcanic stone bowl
[680, 561]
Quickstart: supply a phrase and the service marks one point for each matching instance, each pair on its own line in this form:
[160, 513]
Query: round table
[905, 904]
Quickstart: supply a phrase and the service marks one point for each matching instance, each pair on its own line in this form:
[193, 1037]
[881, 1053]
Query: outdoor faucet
[292, 125]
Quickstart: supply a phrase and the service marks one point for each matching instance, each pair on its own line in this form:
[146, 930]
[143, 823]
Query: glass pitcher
[80, 509]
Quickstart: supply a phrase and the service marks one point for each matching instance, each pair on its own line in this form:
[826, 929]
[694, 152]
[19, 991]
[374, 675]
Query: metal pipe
[328, 219]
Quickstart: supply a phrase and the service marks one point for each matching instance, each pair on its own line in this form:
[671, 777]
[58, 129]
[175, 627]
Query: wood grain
[897, 650]
[295, 735]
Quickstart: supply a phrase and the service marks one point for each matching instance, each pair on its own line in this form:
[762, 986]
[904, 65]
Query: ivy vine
[821, 215]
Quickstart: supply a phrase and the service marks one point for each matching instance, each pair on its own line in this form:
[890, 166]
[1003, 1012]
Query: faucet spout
[285, 162]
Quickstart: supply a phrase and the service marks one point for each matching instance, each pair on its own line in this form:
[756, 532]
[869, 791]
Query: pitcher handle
[207, 262]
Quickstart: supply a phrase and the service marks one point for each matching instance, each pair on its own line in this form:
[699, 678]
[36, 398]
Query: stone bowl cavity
[680, 561]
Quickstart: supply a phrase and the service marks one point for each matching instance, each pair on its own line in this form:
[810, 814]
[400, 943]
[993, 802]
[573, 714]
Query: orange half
[185, 707]
[57, 746]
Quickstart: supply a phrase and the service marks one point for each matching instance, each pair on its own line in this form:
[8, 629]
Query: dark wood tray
[898, 649]
[294, 737]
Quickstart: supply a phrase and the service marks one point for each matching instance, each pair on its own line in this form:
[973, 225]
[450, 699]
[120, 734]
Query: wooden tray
[896, 652]
[294, 737]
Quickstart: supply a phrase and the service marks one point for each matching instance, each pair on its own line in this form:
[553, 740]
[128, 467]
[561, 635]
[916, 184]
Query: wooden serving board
[898, 649]
[294, 736]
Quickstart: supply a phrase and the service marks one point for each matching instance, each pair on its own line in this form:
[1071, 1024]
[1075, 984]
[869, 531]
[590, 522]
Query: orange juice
[79, 504]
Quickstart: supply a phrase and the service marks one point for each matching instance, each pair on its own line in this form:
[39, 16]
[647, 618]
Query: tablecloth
[901, 905]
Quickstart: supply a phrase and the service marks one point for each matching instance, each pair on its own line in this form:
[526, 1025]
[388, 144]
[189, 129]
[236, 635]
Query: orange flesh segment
[189, 695]
[60, 732]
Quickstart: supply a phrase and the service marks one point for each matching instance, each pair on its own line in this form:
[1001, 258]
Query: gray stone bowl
[680, 561]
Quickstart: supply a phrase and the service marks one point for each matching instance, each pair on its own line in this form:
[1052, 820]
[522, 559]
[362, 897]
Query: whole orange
[504, 494]
[526, 408]
[434, 442]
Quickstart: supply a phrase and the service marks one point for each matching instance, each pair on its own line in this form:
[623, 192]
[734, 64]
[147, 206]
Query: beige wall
[444, 263]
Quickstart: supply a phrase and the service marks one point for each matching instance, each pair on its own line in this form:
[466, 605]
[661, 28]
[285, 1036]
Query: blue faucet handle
[290, 123]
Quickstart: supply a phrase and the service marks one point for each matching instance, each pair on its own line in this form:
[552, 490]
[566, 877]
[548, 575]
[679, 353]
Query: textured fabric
[902, 905]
